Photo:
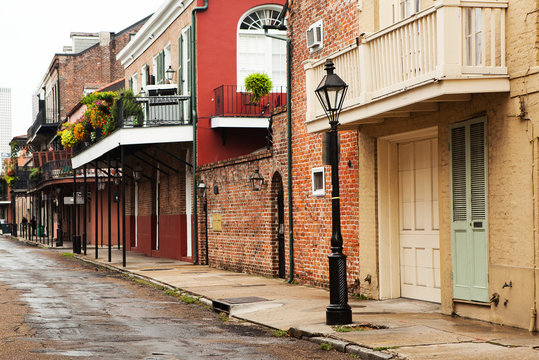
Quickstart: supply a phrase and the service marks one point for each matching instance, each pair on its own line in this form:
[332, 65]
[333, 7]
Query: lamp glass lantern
[202, 189]
[169, 74]
[331, 92]
[256, 180]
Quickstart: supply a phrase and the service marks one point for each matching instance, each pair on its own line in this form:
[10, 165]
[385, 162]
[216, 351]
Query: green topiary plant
[258, 84]
[130, 106]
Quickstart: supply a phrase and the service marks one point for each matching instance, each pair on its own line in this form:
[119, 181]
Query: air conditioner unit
[314, 36]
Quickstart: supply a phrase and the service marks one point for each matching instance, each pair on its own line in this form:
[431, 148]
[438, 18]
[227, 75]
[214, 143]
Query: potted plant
[259, 85]
[35, 174]
[132, 109]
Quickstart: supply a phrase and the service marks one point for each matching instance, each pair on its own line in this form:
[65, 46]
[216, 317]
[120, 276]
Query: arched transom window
[258, 18]
[257, 52]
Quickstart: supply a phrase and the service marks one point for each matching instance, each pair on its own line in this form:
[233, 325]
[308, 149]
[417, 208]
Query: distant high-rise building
[5, 122]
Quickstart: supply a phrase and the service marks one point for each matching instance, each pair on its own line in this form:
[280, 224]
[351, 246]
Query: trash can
[76, 244]
[6, 228]
[40, 230]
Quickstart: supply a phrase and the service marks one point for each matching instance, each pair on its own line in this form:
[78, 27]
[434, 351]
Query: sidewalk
[393, 329]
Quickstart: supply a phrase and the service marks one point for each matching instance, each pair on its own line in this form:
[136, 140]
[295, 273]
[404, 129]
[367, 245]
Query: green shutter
[180, 67]
[469, 211]
[190, 70]
[189, 57]
[180, 73]
[160, 68]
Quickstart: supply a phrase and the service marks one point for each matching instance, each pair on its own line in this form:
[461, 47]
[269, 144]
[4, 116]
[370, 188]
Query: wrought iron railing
[150, 111]
[56, 169]
[39, 120]
[233, 100]
[145, 112]
[21, 180]
[43, 157]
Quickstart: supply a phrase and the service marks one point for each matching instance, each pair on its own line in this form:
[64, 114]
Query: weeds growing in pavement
[326, 346]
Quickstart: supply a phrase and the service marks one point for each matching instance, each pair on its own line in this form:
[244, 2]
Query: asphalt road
[55, 307]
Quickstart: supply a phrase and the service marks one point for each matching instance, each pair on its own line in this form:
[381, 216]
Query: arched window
[258, 53]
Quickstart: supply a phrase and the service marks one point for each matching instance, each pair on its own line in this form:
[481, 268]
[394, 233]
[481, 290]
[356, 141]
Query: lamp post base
[338, 315]
[338, 311]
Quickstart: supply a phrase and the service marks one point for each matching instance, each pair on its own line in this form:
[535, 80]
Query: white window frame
[135, 83]
[144, 76]
[318, 191]
[168, 61]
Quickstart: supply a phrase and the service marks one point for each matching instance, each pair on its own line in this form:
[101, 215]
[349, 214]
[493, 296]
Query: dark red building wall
[216, 65]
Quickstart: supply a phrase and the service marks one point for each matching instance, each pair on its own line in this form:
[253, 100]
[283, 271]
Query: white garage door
[418, 223]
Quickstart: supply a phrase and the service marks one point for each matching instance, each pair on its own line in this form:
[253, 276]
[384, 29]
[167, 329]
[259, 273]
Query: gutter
[194, 120]
[289, 137]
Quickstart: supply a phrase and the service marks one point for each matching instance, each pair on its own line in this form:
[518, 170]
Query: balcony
[444, 53]
[234, 107]
[21, 183]
[44, 125]
[153, 125]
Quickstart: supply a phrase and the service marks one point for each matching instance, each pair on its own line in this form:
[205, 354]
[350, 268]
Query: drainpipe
[535, 166]
[194, 120]
[289, 140]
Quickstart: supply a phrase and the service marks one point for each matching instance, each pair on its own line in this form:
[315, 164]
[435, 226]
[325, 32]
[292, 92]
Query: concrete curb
[340, 345]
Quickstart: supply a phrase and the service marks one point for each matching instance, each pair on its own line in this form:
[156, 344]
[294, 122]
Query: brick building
[89, 64]
[189, 86]
[438, 151]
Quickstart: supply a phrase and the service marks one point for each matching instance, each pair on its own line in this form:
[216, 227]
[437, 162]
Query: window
[405, 8]
[133, 83]
[184, 75]
[144, 77]
[158, 70]
[166, 61]
[473, 37]
[318, 181]
[257, 52]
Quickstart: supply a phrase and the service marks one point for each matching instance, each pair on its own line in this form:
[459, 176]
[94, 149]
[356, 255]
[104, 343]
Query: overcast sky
[32, 31]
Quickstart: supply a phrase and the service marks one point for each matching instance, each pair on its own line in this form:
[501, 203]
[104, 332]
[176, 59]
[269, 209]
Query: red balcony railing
[233, 101]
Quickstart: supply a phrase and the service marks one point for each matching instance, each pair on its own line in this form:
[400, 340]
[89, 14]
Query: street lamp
[256, 180]
[202, 189]
[331, 93]
[170, 73]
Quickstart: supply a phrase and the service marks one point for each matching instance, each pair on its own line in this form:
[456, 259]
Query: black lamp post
[331, 93]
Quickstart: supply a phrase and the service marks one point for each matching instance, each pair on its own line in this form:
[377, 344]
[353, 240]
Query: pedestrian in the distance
[33, 225]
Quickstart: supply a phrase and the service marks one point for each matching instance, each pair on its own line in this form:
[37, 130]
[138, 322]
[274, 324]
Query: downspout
[194, 120]
[289, 139]
[535, 166]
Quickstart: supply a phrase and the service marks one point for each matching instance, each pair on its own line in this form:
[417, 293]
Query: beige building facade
[443, 96]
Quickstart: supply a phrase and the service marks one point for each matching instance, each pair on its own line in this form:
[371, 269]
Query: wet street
[55, 307]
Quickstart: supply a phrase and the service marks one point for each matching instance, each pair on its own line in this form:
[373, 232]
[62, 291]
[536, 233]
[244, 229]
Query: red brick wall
[312, 215]
[248, 240]
[96, 65]
[172, 214]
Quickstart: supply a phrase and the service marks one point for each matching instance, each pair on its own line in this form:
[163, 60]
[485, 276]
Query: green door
[469, 211]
